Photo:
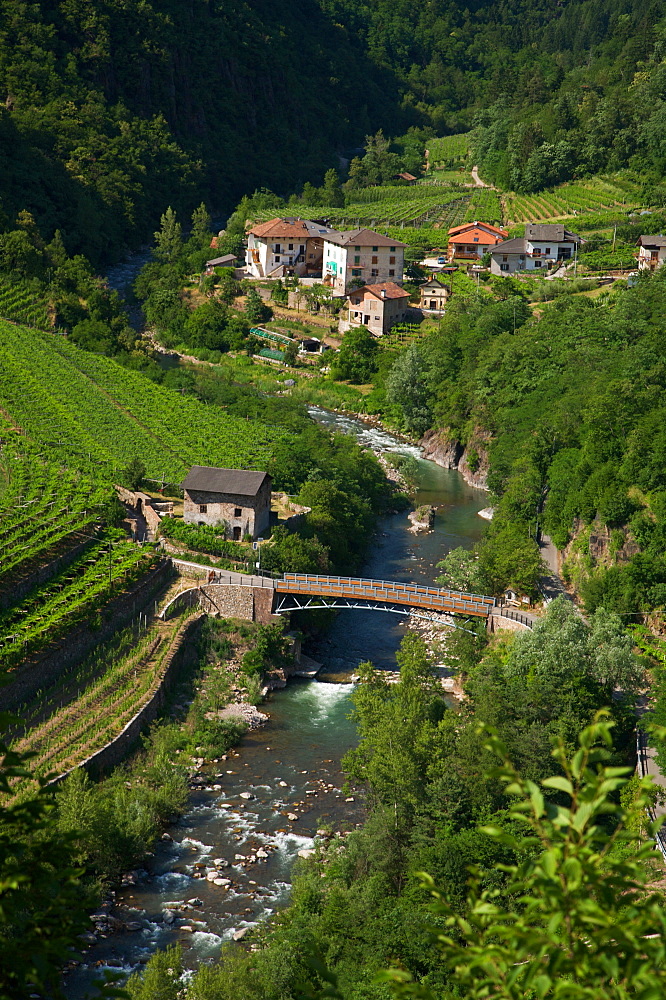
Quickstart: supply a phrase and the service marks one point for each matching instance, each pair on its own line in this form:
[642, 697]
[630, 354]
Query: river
[291, 765]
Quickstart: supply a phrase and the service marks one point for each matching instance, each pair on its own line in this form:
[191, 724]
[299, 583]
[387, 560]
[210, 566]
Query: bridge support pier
[254, 604]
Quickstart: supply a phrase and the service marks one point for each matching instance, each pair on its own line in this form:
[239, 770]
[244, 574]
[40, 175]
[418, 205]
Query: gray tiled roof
[652, 241]
[241, 482]
[544, 231]
[509, 246]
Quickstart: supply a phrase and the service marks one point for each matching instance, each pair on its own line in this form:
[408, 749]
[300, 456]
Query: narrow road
[477, 180]
[551, 585]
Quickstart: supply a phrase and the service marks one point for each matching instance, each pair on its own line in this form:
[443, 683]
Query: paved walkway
[551, 585]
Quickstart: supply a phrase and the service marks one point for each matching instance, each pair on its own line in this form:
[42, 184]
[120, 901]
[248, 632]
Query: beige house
[283, 247]
[651, 252]
[361, 256]
[379, 307]
[434, 296]
[236, 499]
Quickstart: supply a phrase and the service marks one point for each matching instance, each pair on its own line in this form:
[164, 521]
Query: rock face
[470, 460]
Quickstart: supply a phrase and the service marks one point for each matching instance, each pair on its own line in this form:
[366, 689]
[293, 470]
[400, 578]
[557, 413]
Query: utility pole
[110, 567]
[575, 259]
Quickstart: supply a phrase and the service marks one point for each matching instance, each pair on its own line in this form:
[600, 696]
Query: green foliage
[133, 475]
[356, 360]
[204, 538]
[580, 921]
[43, 903]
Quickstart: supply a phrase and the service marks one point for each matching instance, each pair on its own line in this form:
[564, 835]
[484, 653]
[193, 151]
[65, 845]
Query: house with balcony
[651, 252]
[379, 307]
[361, 257]
[283, 247]
[471, 240]
[542, 246]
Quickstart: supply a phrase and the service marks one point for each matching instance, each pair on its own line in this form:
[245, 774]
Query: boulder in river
[240, 934]
[292, 816]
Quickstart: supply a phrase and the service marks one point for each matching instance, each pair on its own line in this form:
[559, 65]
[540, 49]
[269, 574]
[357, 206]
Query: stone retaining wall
[43, 669]
[182, 653]
[44, 573]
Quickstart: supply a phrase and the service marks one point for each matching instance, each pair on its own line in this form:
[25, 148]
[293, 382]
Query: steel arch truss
[295, 602]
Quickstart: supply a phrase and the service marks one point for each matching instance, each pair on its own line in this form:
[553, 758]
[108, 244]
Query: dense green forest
[113, 109]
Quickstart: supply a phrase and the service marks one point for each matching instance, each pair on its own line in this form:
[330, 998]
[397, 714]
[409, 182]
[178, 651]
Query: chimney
[383, 293]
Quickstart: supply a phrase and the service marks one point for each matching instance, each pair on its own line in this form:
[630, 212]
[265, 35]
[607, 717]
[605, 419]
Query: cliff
[471, 460]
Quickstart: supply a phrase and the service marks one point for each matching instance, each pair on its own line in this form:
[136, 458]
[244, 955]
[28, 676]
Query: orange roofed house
[379, 307]
[471, 240]
[285, 246]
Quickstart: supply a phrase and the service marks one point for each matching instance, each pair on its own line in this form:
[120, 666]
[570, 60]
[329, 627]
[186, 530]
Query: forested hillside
[115, 108]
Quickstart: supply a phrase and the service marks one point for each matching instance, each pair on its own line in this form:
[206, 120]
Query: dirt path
[477, 180]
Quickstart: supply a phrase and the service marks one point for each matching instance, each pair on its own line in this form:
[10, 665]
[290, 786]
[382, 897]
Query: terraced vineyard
[378, 207]
[93, 415]
[70, 598]
[485, 205]
[92, 702]
[20, 303]
[576, 198]
[40, 503]
[448, 150]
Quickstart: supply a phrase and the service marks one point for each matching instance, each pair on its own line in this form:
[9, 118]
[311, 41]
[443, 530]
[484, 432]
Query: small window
[374, 272]
[476, 239]
[505, 258]
[203, 508]
[302, 248]
[375, 249]
[357, 248]
[356, 272]
[277, 258]
[291, 246]
[238, 512]
[537, 263]
[276, 247]
[392, 249]
[391, 260]
[357, 260]
[504, 267]
[374, 260]
[391, 273]
[547, 249]
[376, 319]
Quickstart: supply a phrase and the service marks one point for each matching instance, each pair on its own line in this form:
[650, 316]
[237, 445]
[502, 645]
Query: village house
[283, 247]
[405, 176]
[434, 296]
[379, 307]
[651, 252]
[471, 240]
[361, 256]
[541, 246]
[236, 499]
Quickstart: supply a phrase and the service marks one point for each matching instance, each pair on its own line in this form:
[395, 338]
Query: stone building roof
[363, 238]
[555, 233]
[384, 290]
[652, 241]
[240, 482]
[290, 228]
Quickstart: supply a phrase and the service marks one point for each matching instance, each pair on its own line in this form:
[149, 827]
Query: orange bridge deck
[410, 595]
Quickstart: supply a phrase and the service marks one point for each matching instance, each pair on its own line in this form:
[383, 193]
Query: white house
[434, 295]
[379, 307]
[285, 246]
[361, 256]
[651, 252]
[541, 246]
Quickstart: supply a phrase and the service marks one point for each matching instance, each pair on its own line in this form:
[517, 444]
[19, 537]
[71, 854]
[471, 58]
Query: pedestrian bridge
[304, 591]
[259, 597]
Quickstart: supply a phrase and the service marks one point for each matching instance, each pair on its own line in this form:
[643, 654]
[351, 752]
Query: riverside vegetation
[485, 790]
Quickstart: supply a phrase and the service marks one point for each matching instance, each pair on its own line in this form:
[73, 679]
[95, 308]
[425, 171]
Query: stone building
[236, 498]
[379, 307]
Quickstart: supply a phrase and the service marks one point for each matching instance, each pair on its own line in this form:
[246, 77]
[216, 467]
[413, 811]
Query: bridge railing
[386, 590]
[502, 611]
